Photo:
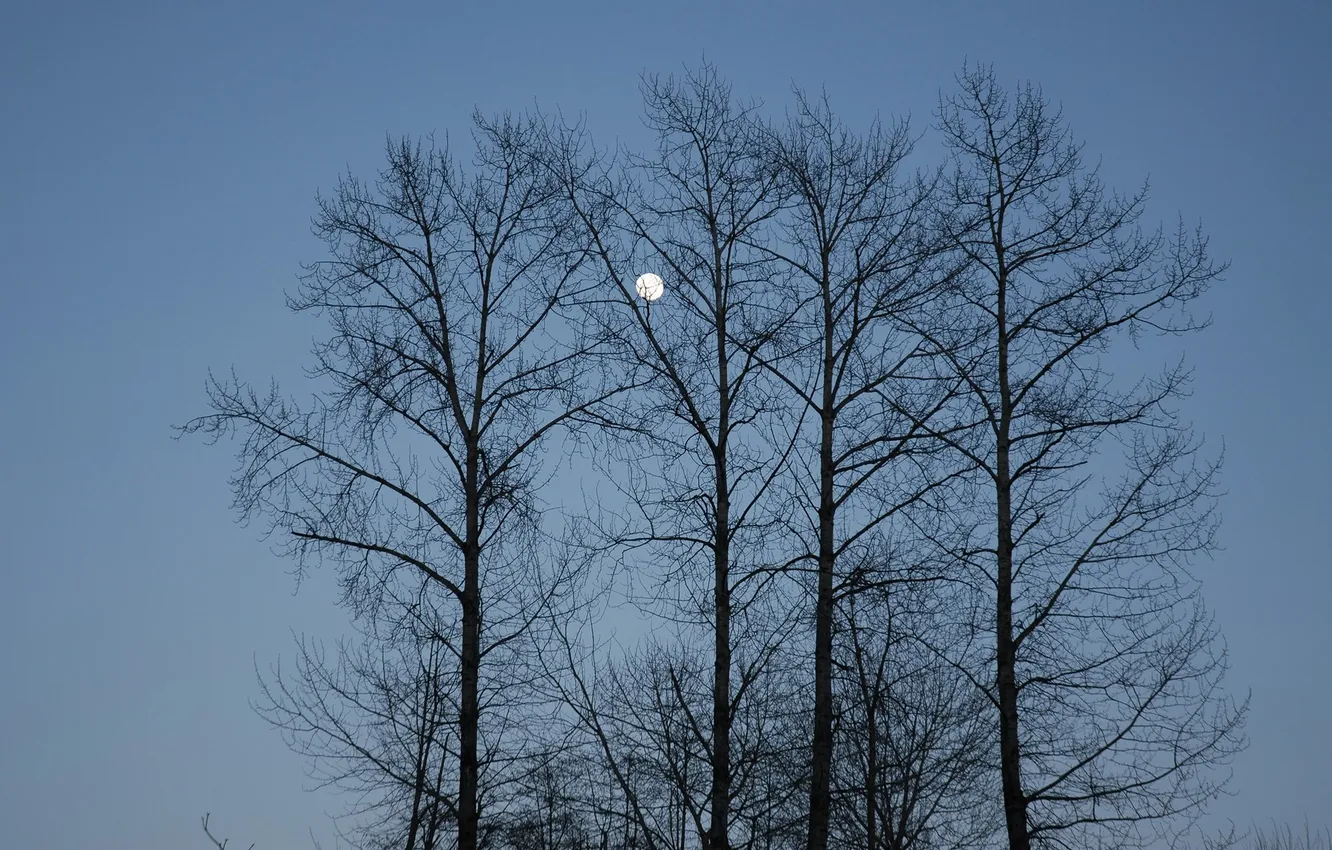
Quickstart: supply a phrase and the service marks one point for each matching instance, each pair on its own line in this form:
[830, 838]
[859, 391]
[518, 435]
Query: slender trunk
[468, 710]
[415, 824]
[678, 807]
[422, 765]
[1010, 754]
[1015, 804]
[684, 807]
[718, 830]
[628, 806]
[435, 819]
[820, 788]
[871, 773]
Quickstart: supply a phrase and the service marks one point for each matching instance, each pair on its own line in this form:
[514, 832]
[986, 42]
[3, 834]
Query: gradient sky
[158, 166]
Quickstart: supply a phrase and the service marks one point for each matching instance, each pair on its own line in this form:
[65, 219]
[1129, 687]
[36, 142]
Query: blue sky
[158, 164]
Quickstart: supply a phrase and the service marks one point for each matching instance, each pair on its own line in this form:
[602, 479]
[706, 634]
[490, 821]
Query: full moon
[649, 287]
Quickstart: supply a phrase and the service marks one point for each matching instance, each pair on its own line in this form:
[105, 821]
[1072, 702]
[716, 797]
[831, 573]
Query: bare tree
[915, 756]
[379, 721]
[855, 255]
[1105, 669]
[559, 811]
[700, 453]
[452, 362]
[647, 710]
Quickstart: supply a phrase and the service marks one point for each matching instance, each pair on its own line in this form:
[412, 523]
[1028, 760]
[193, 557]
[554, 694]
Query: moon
[649, 286]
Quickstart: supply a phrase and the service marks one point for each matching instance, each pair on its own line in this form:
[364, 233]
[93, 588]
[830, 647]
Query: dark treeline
[899, 554]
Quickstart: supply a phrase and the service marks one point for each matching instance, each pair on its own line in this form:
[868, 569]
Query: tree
[915, 756]
[700, 457]
[855, 258]
[1105, 669]
[647, 709]
[452, 362]
[557, 815]
[377, 721]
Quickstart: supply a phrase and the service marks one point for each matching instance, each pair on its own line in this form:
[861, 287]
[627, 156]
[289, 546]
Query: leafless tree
[561, 809]
[694, 452]
[854, 256]
[647, 709]
[1104, 669]
[453, 361]
[915, 760]
[377, 720]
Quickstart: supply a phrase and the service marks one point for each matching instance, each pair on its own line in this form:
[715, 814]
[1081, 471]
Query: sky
[158, 170]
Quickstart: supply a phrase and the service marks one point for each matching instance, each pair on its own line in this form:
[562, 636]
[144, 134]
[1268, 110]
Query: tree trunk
[422, 766]
[468, 709]
[1015, 804]
[718, 830]
[820, 790]
[1010, 753]
[871, 773]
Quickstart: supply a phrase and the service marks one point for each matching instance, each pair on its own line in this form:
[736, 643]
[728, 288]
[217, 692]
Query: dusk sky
[159, 168]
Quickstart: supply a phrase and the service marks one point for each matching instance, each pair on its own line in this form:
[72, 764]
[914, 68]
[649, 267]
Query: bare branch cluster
[912, 566]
